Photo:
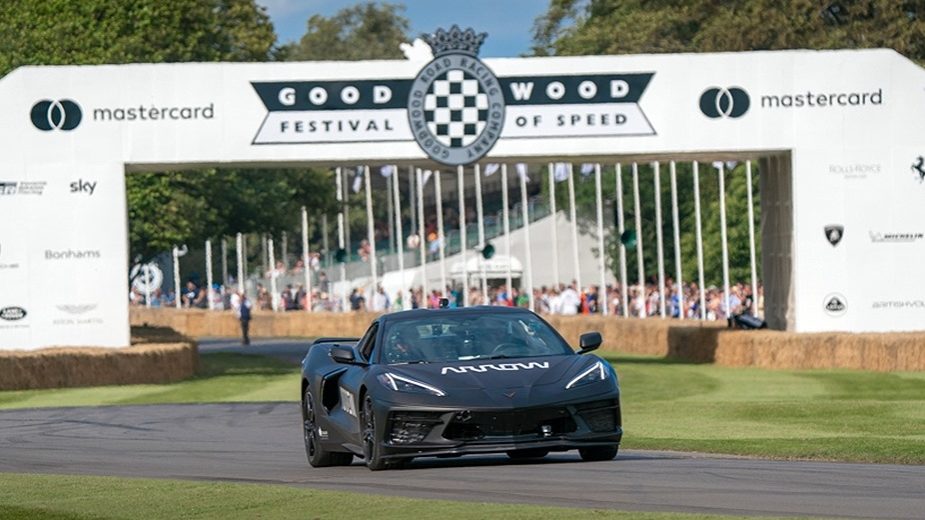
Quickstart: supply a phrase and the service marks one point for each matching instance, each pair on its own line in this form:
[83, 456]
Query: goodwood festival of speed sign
[456, 105]
[455, 108]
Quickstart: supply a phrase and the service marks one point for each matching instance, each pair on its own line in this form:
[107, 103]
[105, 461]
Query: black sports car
[455, 381]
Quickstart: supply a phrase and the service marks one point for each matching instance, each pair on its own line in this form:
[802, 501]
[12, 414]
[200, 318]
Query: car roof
[435, 313]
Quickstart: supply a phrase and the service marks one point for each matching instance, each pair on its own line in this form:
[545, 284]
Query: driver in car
[403, 349]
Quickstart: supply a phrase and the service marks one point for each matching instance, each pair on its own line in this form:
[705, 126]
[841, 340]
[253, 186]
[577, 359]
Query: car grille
[538, 422]
[412, 427]
[601, 416]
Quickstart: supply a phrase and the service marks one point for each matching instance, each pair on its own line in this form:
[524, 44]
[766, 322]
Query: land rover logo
[834, 234]
[835, 304]
[456, 104]
[12, 313]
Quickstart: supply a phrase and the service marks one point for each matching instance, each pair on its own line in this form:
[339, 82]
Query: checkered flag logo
[456, 109]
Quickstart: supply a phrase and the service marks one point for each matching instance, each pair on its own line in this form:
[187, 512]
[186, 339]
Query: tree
[362, 32]
[575, 27]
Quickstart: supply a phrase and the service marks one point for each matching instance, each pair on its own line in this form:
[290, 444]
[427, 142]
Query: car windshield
[462, 337]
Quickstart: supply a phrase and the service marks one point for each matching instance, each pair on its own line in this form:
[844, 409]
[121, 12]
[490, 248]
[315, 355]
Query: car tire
[317, 456]
[372, 438]
[534, 453]
[598, 453]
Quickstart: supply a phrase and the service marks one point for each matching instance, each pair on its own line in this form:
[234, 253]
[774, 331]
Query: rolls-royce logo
[456, 105]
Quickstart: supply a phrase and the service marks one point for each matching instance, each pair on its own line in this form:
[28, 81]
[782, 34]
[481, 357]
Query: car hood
[496, 374]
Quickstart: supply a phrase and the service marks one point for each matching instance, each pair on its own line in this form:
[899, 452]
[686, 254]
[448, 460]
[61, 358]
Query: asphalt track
[251, 442]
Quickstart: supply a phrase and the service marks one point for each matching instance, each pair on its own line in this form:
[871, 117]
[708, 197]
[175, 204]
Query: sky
[509, 23]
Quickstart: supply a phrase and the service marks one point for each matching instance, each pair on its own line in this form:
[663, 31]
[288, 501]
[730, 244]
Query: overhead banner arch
[839, 134]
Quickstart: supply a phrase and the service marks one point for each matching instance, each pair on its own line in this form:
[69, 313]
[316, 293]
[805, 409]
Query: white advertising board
[851, 121]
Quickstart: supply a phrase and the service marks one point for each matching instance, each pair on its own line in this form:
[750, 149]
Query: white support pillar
[371, 235]
[555, 226]
[481, 223]
[722, 230]
[390, 215]
[528, 258]
[344, 304]
[284, 248]
[624, 290]
[274, 289]
[461, 192]
[422, 247]
[505, 216]
[572, 214]
[640, 258]
[412, 196]
[224, 246]
[441, 236]
[209, 299]
[659, 243]
[306, 261]
[239, 250]
[400, 242]
[751, 238]
[146, 272]
[699, 235]
[602, 299]
[178, 300]
[676, 228]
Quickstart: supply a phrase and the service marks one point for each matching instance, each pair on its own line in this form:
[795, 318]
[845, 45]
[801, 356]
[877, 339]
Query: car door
[351, 382]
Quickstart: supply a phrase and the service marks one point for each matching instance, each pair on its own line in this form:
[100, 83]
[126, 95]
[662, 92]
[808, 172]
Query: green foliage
[577, 27]
[361, 32]
[65, 32]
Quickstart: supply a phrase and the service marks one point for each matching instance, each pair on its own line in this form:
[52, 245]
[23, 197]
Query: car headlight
[597, 372]
[406, 384]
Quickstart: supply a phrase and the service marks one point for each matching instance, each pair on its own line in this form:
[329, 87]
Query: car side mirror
[589, 341]
[343, 354]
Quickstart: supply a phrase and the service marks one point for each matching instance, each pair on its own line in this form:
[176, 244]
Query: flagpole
[425, 297]
[346, 206]
[572, 214]
[555, 226]
[703, 297]
[722, 229]
[274, 290]
[371, 234]
[751, 238]
[389, 213]
[209, 275]
[675, 222]
[624, 292]
[507, 229]
[640, 267]
[441, 238]
[461, 189]
[602, 263]
[659, 246]
[481, 224]
[341, 240]
[306, 261]
[528, 258]
[239, 250]
[178, 303]
[224, 246]
[396, 194]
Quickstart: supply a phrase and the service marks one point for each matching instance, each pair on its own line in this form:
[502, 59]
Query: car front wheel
[598, 453]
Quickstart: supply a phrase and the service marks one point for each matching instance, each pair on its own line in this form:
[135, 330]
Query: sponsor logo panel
[898, 304]
[834, 233]
[835, 304]
[61, 114]
[895, 237]
[719, 102]
[734, 102]
[10, 188]
[82, 187]
[855, 171]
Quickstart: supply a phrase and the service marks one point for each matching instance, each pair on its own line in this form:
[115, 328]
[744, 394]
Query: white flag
[522, 171]
[386, 171]
[560, 172]
[358, 179]
[491, 168]
[426, 177]
[587, 169]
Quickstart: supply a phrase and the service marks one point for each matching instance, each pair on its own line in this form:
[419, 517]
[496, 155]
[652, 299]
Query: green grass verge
[55, 497]
[830, 415]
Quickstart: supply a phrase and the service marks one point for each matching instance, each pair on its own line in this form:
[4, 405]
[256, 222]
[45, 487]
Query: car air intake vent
[412, 427]
[518, 423]
[601, 416]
